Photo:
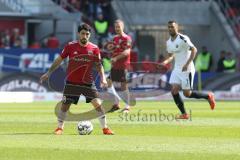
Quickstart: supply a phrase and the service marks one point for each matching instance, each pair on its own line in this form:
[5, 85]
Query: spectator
[106, 8]
[1, 40]
[94, 8]
[52, 42]
[5, 39]
[101, 27]
[204, 60]
[220, 66]
[35, 45]
[16, 40]
[229, 63]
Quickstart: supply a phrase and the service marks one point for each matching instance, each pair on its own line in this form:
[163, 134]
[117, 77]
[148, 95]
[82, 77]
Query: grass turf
[26, 133]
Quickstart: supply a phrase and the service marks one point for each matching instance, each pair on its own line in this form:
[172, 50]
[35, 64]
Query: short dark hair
[84, 26]
[172, 21]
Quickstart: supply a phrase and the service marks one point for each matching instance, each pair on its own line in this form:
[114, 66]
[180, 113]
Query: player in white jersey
[181, 49]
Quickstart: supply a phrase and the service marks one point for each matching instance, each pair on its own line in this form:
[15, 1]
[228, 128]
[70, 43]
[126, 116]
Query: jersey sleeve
[65, 52]
[167, 46]
[126, 44]
[129, 43]
[188, 43]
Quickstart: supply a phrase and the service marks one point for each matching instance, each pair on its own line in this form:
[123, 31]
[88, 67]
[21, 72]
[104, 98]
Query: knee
[65, 107]
[174, 91]
[187, 94]
[96, 102]
[124, 87]
[109, 83]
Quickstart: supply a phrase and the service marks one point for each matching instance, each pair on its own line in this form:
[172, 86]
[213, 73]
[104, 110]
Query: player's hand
[104, 83]
[184, 69]
[114, 60]
[110, 46]
[160, 65]
[44, 77]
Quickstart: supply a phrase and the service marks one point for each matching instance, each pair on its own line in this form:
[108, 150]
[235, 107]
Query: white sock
[61, 118]
[103, 121]
[101, 117]
[126, 96]
[113, 91]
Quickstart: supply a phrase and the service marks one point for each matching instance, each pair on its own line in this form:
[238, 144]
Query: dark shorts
[72, 92]
[118, 75]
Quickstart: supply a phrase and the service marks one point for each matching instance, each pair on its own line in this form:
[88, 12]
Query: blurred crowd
[233, 13]
[11, 38]
[227, 61]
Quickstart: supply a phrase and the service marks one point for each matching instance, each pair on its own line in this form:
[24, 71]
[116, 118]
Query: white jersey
[180, 48]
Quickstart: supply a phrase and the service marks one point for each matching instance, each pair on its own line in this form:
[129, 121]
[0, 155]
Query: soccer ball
[85, 127]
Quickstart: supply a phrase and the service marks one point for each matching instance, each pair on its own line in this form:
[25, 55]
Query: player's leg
[201, 95]
[178, 101]
[70, 95]
[61, 117]
[111, 89]
[125, 96]
[97, 103]
[91, 94]
[175, 82]
[187, 84]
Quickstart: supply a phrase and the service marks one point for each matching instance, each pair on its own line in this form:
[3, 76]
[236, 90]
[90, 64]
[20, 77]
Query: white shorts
[184, 79]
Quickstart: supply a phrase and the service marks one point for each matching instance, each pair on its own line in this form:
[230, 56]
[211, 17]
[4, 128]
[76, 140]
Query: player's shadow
[108, 102]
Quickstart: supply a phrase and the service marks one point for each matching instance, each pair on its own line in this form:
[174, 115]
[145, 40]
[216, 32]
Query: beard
[83, 41]
[173, 34]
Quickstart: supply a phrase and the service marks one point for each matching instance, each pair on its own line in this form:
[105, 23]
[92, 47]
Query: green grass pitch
[26, 133]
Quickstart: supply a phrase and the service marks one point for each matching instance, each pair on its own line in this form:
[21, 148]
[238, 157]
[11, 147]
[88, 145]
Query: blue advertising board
[34, 60]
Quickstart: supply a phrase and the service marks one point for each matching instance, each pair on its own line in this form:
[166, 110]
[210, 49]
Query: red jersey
[121, 43]
[81, 61]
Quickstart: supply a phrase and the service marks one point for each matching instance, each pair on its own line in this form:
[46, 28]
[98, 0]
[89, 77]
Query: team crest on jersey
[176, 46]
[75, 52]
[120, 41]
[90, 52]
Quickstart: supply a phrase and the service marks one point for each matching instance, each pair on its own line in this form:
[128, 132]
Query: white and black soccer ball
[85, 127]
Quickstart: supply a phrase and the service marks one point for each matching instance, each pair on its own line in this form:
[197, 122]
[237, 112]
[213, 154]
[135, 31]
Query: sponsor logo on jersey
[90, 52]
[82, 59]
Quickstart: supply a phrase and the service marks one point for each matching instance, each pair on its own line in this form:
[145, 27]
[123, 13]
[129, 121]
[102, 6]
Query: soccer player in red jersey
[83, 55]
[120, 63]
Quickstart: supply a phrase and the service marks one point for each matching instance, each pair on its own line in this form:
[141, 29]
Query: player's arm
[100, 70]
[54, 66]
[191, 58]
[122, 55]
[169, 59]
